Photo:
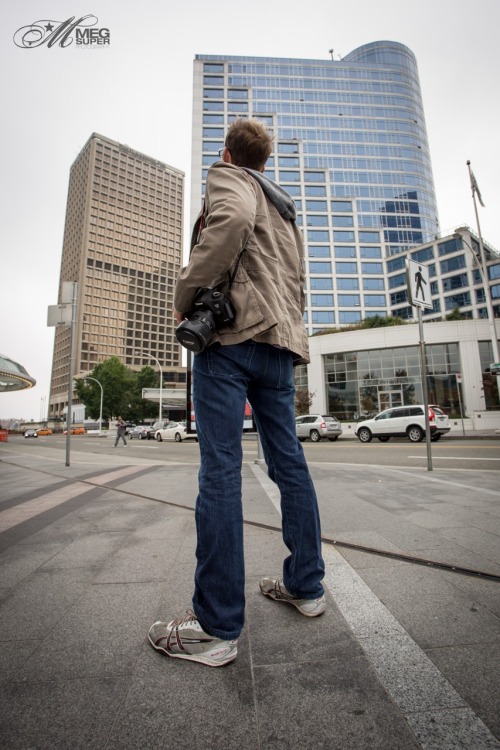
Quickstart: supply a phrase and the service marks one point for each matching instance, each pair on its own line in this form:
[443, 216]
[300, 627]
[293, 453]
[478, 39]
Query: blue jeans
[223, 378]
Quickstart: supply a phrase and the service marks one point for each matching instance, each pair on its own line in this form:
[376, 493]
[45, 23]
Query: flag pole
[475, 190]
[489, 306]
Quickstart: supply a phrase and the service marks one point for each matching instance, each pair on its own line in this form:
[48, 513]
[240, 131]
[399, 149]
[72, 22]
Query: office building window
[349, 316]
[347, 284]
[340, 206]
[321, 300]
[349, 300]
[316, 284]
[374, 300]
[347, 251]
[318, 267]
[323, 316]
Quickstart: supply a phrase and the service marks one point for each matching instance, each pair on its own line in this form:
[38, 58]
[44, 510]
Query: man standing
[248, 224]
[121, 431]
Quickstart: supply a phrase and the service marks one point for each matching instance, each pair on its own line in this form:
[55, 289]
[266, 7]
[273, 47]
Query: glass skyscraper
[350, 147]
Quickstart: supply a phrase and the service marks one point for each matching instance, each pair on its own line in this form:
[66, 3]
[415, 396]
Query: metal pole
[144, 351]
[484, 273]
[102, 395]
[161, 391]
[423, 370]
[71, 371]
[460, 404]
[189, 380]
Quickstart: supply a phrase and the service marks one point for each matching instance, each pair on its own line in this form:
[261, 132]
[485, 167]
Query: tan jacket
[268, 290]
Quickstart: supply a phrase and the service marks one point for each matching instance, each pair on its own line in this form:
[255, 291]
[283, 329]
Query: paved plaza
[407, 655]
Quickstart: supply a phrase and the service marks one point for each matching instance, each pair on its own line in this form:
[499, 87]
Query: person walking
[121, 431]
[247, 229]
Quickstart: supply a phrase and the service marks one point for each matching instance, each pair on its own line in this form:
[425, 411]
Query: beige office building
[123, 246]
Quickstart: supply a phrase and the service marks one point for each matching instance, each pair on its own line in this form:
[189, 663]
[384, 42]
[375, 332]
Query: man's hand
[179, 317]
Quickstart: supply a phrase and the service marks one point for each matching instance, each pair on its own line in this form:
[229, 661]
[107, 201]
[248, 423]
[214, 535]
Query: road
[456, 454]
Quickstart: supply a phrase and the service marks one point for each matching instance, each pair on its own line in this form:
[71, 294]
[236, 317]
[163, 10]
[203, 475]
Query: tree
[455, 314]
[119, 390]
[141, 408]
[381, 321]
[303, 401]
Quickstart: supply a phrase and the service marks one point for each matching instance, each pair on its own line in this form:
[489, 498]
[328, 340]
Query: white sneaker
[184, 638]
[275, 589]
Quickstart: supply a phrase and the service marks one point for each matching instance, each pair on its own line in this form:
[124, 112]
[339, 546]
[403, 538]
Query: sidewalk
[406, 656]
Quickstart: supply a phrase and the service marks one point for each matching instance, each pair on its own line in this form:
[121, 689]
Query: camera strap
[232, 275]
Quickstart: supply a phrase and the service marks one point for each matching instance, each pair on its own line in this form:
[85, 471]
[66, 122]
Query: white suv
[316, 427]
[403, 421]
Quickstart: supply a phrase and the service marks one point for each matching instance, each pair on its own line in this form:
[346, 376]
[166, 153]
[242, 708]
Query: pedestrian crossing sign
[418, 283]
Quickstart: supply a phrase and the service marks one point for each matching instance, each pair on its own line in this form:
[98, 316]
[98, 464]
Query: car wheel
[333, 439]
[315, 436]
[383, 438]
[178, 438]
[364, 435]
[436, 437]
[415, 434]
[159, 438]
[301, 440]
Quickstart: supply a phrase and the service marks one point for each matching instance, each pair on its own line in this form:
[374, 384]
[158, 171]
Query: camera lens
[195, 333]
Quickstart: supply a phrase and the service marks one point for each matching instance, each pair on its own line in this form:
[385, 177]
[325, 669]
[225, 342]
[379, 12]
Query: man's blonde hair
[249, 143]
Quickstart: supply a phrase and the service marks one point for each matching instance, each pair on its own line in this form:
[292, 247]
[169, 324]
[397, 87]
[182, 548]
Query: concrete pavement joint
[425, 697]
[437, 714]
[273, 493]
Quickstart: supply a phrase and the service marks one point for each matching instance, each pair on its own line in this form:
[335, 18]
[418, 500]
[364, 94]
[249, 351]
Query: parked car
[316, 427]
[160, 425]
[173, 431]
[128, 427]
[76, 431]
[141, 432]
[44, 431]
[30, 432]
[404, 421]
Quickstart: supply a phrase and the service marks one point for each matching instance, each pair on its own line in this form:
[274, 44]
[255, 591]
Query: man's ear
[226, 156]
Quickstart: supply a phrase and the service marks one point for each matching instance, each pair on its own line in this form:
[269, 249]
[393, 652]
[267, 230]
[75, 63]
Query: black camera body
[211, 310]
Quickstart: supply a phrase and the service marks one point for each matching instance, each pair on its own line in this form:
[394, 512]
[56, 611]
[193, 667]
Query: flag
[475, 188]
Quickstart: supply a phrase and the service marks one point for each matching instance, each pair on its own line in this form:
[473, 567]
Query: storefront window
[360, 384]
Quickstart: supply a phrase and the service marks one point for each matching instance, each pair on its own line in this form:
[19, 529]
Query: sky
[138, 91]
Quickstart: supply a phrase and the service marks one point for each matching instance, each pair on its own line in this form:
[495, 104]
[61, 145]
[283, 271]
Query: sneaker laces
[188, 617]
[281, 592]
[174, 625]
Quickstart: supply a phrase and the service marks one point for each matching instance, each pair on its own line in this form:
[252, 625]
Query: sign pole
[458, 378]
[72, 342]
[419, 293]
[423, 370]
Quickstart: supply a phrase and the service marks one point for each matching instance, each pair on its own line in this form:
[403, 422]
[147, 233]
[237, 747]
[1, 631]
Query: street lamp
[102, 396]
[144, 351]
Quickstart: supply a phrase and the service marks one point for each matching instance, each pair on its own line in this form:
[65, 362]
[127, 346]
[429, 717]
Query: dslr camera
[211, 310]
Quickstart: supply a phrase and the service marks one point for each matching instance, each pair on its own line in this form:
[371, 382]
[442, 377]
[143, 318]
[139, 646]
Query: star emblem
[49, 27]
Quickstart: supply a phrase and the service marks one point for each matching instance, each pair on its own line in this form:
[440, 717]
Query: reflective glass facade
[360, 383]
[350, 146]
